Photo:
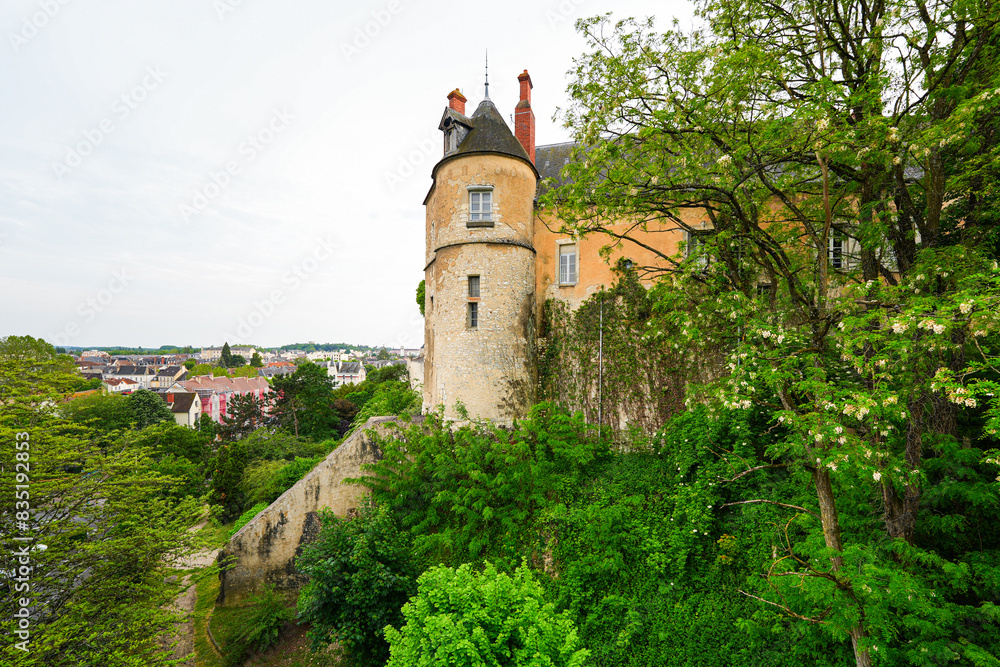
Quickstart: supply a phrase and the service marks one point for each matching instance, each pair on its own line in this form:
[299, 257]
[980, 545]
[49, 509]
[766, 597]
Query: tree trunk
[831, 534]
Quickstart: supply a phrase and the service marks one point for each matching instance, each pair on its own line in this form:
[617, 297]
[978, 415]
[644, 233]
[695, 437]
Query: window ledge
[472, 224]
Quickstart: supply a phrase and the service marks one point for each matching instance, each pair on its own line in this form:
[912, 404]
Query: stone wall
[489, 367]
[264, 550]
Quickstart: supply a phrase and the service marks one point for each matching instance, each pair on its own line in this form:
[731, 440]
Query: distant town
[196, 382]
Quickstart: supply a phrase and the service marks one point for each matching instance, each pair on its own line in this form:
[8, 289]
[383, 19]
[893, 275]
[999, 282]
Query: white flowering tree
[841, 153]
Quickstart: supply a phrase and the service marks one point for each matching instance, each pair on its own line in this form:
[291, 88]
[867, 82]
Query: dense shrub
[468, 619]
[268, 611]
[361, 571]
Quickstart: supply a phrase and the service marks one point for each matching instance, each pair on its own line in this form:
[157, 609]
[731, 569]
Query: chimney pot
[524, 117]
[456, 101]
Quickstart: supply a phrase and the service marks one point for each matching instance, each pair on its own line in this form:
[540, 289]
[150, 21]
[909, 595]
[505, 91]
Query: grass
[292, 649]
[205, 654]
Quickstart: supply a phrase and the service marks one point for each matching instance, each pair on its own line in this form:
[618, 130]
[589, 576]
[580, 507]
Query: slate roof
[490, 134]
[182, 402]
[549, 161]
[349, 368]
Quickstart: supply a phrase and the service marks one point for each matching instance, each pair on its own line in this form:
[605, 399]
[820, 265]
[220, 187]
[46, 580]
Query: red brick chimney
[524, 117]
[456, 101]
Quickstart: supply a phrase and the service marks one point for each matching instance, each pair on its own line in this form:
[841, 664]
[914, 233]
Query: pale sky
[195, 171]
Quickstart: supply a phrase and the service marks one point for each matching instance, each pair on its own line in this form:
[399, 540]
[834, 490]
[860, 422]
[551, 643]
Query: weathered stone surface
[489, 367]
[264, 550]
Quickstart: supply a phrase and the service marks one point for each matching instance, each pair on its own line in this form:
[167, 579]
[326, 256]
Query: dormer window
[480, 207]
[451, 140]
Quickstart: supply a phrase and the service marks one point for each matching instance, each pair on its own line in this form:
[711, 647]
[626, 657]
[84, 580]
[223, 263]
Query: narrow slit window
[472, 320]
[473, 287]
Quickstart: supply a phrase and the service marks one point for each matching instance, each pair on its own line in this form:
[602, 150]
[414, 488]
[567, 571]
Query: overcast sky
[194, 171]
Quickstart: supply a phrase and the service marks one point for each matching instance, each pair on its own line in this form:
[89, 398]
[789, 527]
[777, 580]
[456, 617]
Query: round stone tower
[480, 268]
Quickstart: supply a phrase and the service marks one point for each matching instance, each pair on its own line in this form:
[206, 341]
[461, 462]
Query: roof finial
[487, 74]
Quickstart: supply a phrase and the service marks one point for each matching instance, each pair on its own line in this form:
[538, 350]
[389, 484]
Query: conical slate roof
[490, 134]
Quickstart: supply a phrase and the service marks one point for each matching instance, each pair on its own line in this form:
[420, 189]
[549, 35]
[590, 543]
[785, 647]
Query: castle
[493, 258]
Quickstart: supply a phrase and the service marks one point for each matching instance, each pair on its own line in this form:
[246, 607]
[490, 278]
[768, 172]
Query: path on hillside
[185, 602]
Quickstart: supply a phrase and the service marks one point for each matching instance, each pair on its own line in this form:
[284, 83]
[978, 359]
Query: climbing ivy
[597, 359]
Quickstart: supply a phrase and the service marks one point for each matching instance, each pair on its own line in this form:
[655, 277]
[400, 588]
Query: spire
[487, 74]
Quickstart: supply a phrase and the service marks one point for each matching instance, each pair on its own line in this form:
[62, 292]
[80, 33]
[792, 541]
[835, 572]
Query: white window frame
[692, 243]
[480, 211]
[836, 248]
[568, 272]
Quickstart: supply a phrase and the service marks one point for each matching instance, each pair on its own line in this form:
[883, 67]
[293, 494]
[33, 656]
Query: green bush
[361, 571]
[247, 516]
[481, 491]
[467, 619]
[265, 481]
[269, 610]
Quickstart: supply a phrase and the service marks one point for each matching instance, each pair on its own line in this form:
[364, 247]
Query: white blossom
[877, 476]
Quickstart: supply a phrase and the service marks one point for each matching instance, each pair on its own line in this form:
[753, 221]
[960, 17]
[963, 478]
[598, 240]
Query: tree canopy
[839, 154]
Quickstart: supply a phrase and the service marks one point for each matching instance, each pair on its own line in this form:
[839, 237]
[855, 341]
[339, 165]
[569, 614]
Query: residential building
[186, 407]
[346, 372]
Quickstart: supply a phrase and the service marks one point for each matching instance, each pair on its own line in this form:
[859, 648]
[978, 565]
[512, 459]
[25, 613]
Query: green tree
[237, 361]
[421, 295]
[207, 369]
[207, 428]
[383, 355]
[190, 363]
[468, 619]
[226, 472]
[226, 358]
[361, 571]
[304, 402]
[98, 593]
[256, 360]
[245, 414]
[147, 408]
[245, 371]
[104, 412]
[788, 126]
